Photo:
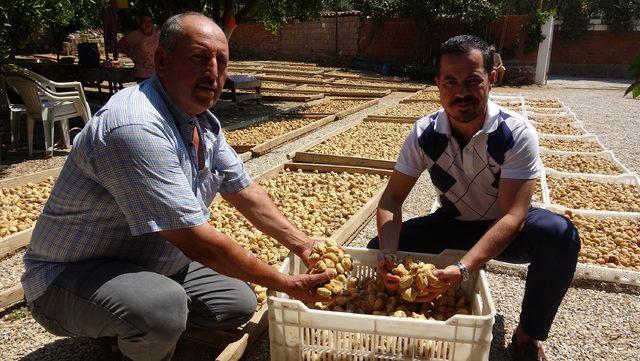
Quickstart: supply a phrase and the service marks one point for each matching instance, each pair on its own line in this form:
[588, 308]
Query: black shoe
[527, 351]
[109, 346]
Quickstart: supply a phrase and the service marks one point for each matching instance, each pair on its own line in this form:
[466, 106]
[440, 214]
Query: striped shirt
[467, 178]
[132, 172]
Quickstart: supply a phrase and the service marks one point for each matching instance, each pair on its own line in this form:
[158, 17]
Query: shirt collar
[182, 118]
[443, 126]
[179, 116]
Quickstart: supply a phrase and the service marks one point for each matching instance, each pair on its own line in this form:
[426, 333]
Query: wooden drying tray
[386, 118]
[291, 96]
[392, 86]
[366, 77]
[409, 100]
[310, 80]
[365, 93]
[294, 72]
[343, 113]
[264, 147]
[16, 241]
[235, 344]
[304, 156]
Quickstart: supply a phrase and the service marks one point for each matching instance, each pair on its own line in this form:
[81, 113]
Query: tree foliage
[430, 17]
[634, 71]
[533, 29]
[21, 21]
[272, 13]
[618, 14]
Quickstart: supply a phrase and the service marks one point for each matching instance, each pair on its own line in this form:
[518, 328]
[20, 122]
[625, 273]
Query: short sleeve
[228, 163]
[411, 160]
[522, 160]
[140, 168]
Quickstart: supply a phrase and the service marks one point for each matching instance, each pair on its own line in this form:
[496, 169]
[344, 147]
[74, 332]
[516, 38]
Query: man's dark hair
[461, 45]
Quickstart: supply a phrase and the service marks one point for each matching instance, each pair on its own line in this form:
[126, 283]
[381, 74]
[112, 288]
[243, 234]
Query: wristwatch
[464, 271]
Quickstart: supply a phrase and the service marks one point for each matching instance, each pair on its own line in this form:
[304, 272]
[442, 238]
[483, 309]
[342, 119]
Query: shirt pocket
[208, 185]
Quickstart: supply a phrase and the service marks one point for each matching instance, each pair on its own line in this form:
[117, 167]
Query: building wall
[599, 52]
[312, 40]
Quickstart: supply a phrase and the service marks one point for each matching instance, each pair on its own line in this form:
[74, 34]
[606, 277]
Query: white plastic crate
[548, 111]
[606, 155]
[576, 125]
[587, 138]
[551, 118]
[596, 272]
[527, 100]
[590, 271]
[505, 96]
[297, 332]
[629, 178]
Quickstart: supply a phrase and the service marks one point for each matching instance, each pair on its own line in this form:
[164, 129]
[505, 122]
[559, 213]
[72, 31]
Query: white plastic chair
[14, 111]
[84, 110]
[58, 107]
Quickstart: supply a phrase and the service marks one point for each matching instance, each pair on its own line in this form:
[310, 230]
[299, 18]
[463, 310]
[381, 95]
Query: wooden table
[87, 76]
[243, 82]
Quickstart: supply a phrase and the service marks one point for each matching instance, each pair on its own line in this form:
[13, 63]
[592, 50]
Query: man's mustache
[467, 99]
[207, 83]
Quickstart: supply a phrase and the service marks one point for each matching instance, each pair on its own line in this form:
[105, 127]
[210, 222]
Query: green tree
[21, 20]
[430, 16]
[619, 15]
[575, 15]
[634, 71]
[272, 13]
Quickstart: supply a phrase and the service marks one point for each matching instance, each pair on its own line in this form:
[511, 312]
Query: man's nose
[212, 68]
[461, 90]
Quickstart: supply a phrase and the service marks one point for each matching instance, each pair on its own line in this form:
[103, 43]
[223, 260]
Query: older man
[483, 161]
[123, 248]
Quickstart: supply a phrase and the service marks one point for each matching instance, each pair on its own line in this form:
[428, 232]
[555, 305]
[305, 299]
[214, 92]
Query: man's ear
[493, 76]
[160, 60]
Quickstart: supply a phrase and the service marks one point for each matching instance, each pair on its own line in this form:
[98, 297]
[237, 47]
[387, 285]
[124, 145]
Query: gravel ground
[595, 321]
[17, 165]
[11, 270]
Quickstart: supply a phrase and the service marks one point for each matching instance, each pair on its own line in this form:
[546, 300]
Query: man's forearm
[493, 242]
[389, 222]
[220, 253]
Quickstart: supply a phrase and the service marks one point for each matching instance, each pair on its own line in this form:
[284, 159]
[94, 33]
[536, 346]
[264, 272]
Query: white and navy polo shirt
[467, 179]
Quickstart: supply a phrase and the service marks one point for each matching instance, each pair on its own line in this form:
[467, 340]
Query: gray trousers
[146, 311]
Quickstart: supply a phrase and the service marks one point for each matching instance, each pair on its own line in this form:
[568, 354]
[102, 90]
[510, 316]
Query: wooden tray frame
[385, 118]
[409, 100]
[346, 112]
[381, 118]
[238, 343]
[366, 93]
[292, 80]
[16, 241]
[292, 96]
[294, 72]
[265, 147]
[393, 87]
[303, 156]
[366, 77]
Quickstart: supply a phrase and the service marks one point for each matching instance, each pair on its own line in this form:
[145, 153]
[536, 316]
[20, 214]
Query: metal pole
[336, 34]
